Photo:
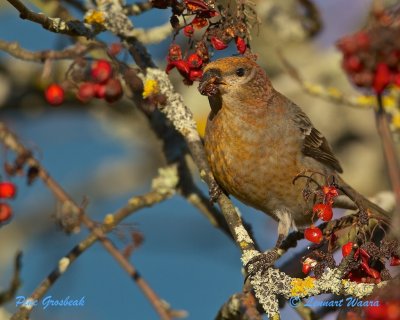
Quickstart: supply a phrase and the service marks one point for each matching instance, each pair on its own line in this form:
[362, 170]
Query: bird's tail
[361, 201]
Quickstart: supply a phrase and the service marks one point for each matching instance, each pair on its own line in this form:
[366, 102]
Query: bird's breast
[250, 161]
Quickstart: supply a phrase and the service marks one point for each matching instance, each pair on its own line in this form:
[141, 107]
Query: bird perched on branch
[257, 141]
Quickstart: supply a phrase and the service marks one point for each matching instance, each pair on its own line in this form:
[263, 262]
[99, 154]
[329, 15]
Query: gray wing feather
[315, 145]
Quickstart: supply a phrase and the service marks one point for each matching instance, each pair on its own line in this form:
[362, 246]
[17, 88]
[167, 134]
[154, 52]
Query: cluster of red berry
[8, 190]
[190, 68]
[101, 84]
[371, 57]
[215, 28]
[365, 273]
[323, 211]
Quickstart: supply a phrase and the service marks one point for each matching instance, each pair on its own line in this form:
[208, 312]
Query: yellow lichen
[301, 287]
[313, 88]
[334, 92]
[396, 120]
[366, 100]
[243, 244]
[389, 102]
[93, 16]
[150, 88]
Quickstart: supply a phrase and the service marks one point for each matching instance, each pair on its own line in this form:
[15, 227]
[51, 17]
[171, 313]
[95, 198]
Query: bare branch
[15, 281]
[138, 8]
[72, 52]
[329, 94]
[57, 25]
[153, 35]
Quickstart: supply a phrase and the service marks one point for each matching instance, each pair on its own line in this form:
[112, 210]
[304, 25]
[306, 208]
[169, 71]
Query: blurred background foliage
[107, 153]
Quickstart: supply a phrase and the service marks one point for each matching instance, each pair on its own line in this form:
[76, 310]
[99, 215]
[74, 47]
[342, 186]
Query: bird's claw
[261, 262]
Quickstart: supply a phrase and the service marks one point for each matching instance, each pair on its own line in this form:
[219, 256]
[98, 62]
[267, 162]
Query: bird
[257, 141]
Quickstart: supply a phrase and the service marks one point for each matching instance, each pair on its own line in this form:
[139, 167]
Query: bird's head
[234, 79]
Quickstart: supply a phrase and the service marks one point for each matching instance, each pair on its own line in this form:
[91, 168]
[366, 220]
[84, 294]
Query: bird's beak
[209, 83]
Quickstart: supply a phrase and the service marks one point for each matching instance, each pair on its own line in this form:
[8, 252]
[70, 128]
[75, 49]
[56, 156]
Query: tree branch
[137, 8]
[57, 25]
[71, 52]
[15, 283]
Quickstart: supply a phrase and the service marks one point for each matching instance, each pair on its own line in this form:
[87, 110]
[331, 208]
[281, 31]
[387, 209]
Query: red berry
[365, 266]
[364, 255]
[346, 249]
[362, 40]
[196, 5]
[86, 91]
[306, 268]
[396, 79]
[393, 308]
[101, 71]
[324, 211]
[195, 61]
[363, 79]
[392, 59]
[347, 45]
[241, 45]
[382, 77]
[99, 90]
[174, 52]
[218, 44]
[313, 234]
[352, 63]
[394, 261]
[199, 23]
[188, 30]
[54, 94]
[376, 313]
[330, 193]
[195, 75]
[181, 65]
[355, 277]
[8, 190]
[113, 90]
[308, 264]
[374, 273]
[5, 212]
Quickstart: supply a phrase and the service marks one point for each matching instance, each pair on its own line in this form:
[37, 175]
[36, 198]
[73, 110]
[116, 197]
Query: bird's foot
[261, 262]
[215, 191]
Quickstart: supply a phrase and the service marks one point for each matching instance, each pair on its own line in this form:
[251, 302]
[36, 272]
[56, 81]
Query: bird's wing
[315, 144]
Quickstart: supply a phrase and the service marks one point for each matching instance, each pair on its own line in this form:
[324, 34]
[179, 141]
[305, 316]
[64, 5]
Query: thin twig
[15, 283]
[57, 25]
[72, 52]
[153, 35]
[329, 94]
[137, 8]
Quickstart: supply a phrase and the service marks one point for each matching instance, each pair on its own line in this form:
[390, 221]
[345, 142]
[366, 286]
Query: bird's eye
[240, 72]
